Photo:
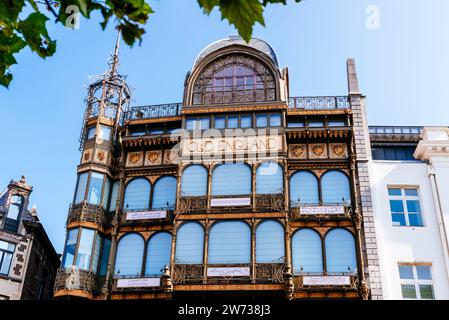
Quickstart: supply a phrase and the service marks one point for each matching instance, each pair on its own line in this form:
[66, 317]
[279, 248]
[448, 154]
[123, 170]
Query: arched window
[158, 253]
[269, 178]
[335, 187]
[129, 255]
[194, 181]
[234, 77]
[307, 254]
[189, 244]
[340, 251]
[304, 188]
[231, 179]
[270, 242]
[137, 194]
[164, 194]
[229, 242]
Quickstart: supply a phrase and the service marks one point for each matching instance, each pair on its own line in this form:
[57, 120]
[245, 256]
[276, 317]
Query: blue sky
[403, 70]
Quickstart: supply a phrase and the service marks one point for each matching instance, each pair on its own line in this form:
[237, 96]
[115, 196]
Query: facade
[28, 261]
[240, 190]
[409, 176]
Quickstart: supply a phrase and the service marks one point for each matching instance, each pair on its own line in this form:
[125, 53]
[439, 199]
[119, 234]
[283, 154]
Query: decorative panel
[134, 159]
[153, 158]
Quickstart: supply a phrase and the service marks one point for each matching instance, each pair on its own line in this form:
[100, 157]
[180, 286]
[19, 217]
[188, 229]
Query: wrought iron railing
[188, 204]
[73, 278]
[319, 103]
[87, 212]
[234, 95]
[270, 272]
[187, 273]
[153, 111]
[270, 202]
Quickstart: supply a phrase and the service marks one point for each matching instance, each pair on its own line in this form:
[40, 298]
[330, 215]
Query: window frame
[404, 199]
[416, 282]
[2, 257]
[87, 189]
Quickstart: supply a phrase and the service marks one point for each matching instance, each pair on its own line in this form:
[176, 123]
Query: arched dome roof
[255, 43]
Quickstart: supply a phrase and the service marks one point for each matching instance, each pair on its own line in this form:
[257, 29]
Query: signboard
[322, 210]
[146, 215]
[228, 272]
[326, 280]
[138, 282]
[230, 202]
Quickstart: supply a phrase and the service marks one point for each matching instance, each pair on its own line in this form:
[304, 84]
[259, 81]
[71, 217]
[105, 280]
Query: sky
[401, 54]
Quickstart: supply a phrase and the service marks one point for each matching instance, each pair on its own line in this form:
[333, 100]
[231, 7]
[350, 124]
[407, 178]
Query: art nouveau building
[241, 189]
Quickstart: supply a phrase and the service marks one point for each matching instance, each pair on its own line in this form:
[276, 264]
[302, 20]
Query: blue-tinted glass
[138, 133]
[270, 242]
[13, 212]
[194, 181]
[315, 123]
[233, 122]
[204, 123]
[398, 219]
[164, 194]
[85, 249]
[137, 194]
[129, 255]
[91, 132]
[295, 124]
[156, 131]
[396, 206]
[95, 187]
[406, 272]
[411, 192]
[424, 272]
[158, 254]
[231, 179]
[307, 253]
[261, 120]
[105, 133]
[229, 242]
[220, 122]
[275, 120]
[107, 190]
[335, 187]
[189, 244]
[336, 123]
[5, 259]
[304, 188]
[70, 247]
[81, 187]
[269, 178]
[114, 194]
[340, 251]
[415, 220]
[105, 257]
[190, 124]
[413, 206]
[394, 191]
[246, 121]
[96, 255]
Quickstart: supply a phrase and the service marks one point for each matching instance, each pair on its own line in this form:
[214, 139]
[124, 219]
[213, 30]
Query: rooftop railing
[154, 111]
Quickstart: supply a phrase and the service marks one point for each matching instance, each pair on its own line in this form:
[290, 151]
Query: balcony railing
[190, 204]
[270, 202]
[86, 212]
[304, 211]
[233, 95]
[74, 278]
[154, 111]
[322, 281]
[319, 103]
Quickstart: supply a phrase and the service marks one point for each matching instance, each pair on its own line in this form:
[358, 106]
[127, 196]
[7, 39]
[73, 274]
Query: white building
[410, 183]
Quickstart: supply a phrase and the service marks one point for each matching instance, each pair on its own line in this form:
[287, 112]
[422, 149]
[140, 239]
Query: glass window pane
[231, 179]
[340, 251]
[164, 194]
[137, 194]
[220, 122]
[413, 206]
[398, 219]
[269, 178]
[6, 263]
[307, 253]
[190, 124]
[411, 192]
[423, 272]
[91, 132]
[194, 181]
[415, 220]
[396, 206]
[229, 242]
[105, 133]
[96, 256]
[105, 257]
[129, 255]
[13, 212]
[85, 249]
[336, 123]
[295, 124]
[246, 121]
[70, 247]
[408, 291]
[270, 242]
[189, 244]
[335, 187]
[394, 191]
[7, 246]
[114, 194]
[107, 189]
[81, 187]
[275, 120]
[233, 122]
[406, 272]
[304, 188]
[261, 120]
[315, 123]
[95, 186]
[426, 291]
[158, 254]
[204, 123]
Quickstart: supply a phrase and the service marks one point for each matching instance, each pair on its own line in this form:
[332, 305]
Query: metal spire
[114, 62]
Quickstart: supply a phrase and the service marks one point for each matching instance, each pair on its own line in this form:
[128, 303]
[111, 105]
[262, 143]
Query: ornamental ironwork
[74, 278]
[270, 272]
[270, 202]
[87, 212]
[187, 273]
[154, 111]
[319, 103]
[188, 204]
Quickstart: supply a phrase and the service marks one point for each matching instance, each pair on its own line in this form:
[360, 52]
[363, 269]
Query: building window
[268, 120]
[335, 188]
[85, 249]
[189, 244]
[416, 282]
[270, 242]
[194, 181]
[82, 249]
[269, 178]
[70, 248]
[129, 255]
[164, 194]
[340, 251]
[105, 133]
[114, 195]
[91, 132]
[393, 153]
[13, 216]
[405, 207]
[304, 188]
[93, 183]
[200, 123]
[158, 253]
[229, 242]
[6, 253]
[307, 253]
[137, 195]
[231, 179]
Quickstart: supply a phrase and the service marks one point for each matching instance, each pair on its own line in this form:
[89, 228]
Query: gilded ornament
[338, 150]
[134, 158]
[318, 150]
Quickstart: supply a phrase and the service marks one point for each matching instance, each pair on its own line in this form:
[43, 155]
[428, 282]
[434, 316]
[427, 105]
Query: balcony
[270, 202]
[192, 204]
[334, 211]
[319, 103]
[77, 279]
[86, 212]
[147, 216]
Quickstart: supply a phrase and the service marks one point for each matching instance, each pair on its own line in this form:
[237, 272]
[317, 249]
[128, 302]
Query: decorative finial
[114, 60]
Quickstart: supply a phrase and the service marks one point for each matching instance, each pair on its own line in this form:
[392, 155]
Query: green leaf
[10, 9]
[35, 33]
[131, 32]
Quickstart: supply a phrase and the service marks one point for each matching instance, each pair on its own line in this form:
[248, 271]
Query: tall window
[82, 249]
[6, 253]
[340, 251]
[269, 178]
[158, 253]
[307, 254]
[129, 255]
[304, 188]
[231, 179]
[229, 242]
[335, 187]
[189, 244]
[90, 185]
[270, 242]
[70, 248]
[194, 181]
[85, 249]
[114, 195]
[416, 282]
[137, 194]
[13, 216]
[405, 207]
[164, 194]
[81, 187]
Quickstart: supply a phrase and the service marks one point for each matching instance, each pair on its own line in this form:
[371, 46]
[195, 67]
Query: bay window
[94, 187]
